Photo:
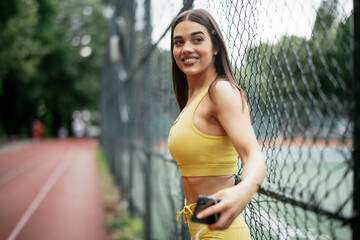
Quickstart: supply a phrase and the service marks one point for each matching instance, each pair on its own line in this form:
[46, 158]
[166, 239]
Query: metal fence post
[130, 59]
[147, 123]
[188, 4]
[356, 152]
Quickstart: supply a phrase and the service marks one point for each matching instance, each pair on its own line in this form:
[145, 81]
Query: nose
[188, 48]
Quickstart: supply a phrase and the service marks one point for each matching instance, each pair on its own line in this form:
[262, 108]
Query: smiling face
[193, 50]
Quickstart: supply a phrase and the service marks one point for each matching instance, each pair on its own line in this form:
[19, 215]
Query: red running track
[51, 190]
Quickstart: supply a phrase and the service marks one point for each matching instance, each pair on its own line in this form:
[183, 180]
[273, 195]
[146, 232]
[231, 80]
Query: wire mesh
[293, 58]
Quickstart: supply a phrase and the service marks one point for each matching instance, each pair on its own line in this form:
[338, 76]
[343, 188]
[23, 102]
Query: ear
[215, 51]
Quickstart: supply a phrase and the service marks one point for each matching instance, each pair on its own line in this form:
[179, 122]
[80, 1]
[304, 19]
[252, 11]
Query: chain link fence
[295, 60]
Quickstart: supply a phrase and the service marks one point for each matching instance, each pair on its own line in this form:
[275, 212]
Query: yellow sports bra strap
[198, 98]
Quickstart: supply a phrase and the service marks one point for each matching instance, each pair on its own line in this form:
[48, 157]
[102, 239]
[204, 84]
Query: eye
[198, 39]
[178, 42]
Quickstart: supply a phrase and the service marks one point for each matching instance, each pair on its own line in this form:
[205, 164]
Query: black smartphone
[205, 202]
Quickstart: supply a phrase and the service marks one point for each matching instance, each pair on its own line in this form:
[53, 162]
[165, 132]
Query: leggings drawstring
[187, 212]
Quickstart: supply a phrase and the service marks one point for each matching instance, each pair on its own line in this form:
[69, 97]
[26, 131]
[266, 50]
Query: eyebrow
[192, 34]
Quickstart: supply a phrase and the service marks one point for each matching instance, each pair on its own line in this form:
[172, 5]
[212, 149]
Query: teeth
[190, 59]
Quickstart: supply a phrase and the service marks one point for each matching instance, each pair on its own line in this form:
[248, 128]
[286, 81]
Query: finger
[225, 220]
[210, 211]
[223, 223]
[219, 226]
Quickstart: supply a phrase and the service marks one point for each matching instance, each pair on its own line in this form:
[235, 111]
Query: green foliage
[42, 75]
[120, 225]
[20, 52]
[109, 195]
[126, 228]
[7, 10]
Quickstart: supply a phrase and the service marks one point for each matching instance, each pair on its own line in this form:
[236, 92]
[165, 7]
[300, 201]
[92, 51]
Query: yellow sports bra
[196, 153]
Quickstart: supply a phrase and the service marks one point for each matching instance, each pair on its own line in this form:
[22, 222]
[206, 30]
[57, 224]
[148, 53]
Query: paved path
[50, 190]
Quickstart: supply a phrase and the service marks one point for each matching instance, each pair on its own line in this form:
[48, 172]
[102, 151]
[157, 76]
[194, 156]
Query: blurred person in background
[78, 128]
[213, 129]
[37, 130]
[62, 132]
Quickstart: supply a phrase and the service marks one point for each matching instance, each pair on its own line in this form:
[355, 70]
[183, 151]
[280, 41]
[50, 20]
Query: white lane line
[50, 182]
[32, 162]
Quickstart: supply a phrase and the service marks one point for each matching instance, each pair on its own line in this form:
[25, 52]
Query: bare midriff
[194, 186]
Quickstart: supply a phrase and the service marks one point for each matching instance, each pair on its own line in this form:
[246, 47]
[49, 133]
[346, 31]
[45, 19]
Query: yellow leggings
[238, 230]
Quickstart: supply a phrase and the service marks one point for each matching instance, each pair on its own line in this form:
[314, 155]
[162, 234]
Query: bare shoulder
[227, 95]
[223, 88]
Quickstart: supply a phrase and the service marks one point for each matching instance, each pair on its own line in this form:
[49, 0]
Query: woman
[213, 128]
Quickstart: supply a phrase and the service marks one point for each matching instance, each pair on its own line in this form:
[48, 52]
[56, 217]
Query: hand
[233, 202]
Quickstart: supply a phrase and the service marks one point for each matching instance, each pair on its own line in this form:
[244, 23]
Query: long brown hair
[222, 62]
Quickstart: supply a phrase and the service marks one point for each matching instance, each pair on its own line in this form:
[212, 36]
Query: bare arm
[233, 114]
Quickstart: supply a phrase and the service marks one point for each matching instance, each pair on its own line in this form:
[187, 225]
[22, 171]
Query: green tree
[72, 80]
[20, 55]
[42, 75]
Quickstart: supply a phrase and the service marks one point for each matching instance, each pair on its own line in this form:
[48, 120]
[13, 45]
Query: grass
[119, 224]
